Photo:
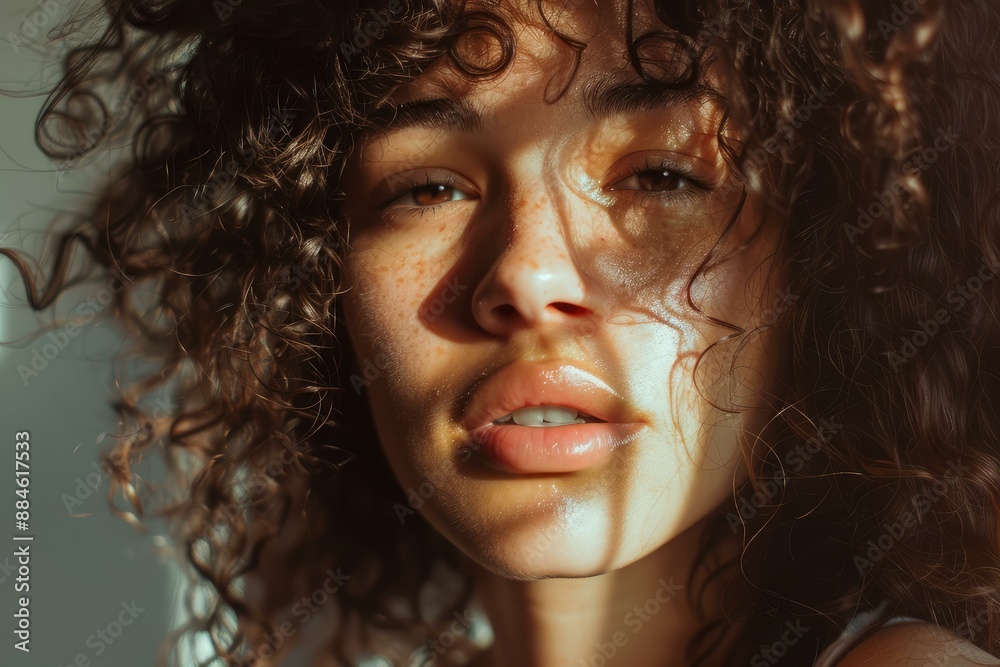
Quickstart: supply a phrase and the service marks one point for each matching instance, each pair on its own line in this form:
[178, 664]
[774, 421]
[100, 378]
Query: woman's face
[508, 252]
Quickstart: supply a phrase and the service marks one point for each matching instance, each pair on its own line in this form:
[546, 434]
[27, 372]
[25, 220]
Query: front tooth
[560, 415]
[529, 416]
[546, 415]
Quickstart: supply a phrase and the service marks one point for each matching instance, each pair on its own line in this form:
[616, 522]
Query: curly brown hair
[874, 126]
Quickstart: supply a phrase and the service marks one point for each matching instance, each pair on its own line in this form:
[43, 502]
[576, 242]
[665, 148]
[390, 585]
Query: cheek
[385, 303]
[659, 253]
[384, 308]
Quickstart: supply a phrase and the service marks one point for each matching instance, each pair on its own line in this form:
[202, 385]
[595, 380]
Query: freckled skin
[555, 263]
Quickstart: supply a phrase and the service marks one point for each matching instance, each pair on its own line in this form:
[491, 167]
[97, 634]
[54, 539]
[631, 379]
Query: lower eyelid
[679, 196]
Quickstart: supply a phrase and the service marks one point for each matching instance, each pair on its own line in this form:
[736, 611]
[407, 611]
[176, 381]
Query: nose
[535, 281]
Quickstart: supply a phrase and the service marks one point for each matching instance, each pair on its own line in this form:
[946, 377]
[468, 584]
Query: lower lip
[550, 449]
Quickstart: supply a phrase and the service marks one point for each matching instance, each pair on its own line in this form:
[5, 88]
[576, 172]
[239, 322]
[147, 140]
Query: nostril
[505, 311]
[569, 308]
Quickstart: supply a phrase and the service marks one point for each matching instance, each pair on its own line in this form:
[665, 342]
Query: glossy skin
[556, 234]
[915, 644]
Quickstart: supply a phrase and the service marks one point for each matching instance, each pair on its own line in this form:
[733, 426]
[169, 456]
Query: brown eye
[433, 193]
[429, 194]
[658, 180]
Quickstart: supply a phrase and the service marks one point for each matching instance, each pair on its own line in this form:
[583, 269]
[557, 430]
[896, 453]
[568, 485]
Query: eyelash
[448, 181]
[638, 196]
[644, 197]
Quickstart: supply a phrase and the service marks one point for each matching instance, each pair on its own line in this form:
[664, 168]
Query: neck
[639, 615]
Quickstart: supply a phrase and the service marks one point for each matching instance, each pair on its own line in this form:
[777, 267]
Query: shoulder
[911, 644]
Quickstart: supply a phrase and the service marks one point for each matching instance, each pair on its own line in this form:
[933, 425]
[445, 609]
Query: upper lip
[523, 384]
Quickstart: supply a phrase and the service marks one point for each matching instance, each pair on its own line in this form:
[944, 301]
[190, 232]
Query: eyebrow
[600, 100]
[433, 113]
[605, 98]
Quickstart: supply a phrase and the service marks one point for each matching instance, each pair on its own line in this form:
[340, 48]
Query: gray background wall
[83, 570]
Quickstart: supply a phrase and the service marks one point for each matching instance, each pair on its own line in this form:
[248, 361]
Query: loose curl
[230, 212]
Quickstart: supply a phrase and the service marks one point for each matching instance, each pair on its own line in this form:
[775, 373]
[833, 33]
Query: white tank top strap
[857, 628]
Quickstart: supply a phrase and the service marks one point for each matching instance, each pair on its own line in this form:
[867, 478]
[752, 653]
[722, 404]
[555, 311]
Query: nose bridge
[539, 209]
[538, 220]
[538, 277]
[539, 156]
[540, 233]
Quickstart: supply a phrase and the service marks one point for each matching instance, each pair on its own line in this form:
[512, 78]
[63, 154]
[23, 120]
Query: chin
[520, 560]
[580, 542]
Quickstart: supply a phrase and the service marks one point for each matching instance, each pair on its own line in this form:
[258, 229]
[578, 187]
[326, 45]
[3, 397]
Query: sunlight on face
[507, 251]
